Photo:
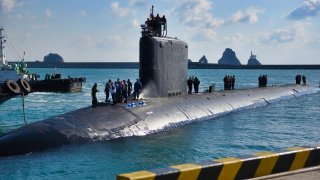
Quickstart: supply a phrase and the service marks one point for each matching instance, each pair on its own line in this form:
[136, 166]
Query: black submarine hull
[138, 117]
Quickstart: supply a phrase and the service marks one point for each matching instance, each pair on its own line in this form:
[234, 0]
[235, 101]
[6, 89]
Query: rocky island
[229, 58]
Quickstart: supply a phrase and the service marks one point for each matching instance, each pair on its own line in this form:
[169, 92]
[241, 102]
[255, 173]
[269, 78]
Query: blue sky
[277, 31]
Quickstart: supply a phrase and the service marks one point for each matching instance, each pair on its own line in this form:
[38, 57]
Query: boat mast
[2, 41]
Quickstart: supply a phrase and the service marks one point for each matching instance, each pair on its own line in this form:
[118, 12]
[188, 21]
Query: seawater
[286, 123]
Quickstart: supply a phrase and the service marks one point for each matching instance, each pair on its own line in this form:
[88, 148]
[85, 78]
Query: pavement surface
[302, 174]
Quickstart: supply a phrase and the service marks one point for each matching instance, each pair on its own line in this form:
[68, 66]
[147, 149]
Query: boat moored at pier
[55, 83]
[12, 78]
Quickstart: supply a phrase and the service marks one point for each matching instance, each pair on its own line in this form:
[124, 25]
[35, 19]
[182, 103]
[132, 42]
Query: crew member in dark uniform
[164, 23]
[196, 83]
[189, 83]
[260, 81]
[233, 79]
[225, 82]
[94, 91]
[129, 87]
[157, 20]
[107, 90]
[304, 80]
[137, 87]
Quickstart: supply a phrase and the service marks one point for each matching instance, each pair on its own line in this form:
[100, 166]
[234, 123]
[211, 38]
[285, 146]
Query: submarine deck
[155, 114]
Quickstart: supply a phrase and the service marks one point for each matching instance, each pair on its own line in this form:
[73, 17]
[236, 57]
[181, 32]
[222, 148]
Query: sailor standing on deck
[107, 90]
[94, 91]
[189, 83]
[304, 80]
[196, 83]
[233, 79]
[129, 87]
[124, 90]
[113, 93]
[137, 87]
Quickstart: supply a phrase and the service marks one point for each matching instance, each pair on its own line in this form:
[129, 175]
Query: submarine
[166, 103]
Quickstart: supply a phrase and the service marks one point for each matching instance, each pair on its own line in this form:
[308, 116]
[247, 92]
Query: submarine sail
[163, 60]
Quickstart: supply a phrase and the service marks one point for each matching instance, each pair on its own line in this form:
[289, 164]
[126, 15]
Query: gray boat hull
[153, 115]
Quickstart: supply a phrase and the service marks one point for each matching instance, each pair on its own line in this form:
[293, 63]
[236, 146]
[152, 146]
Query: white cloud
[135, 23]
[138, 2]
[7, 5]
[234, 38]
[112, 41]
[315, 41]
[309, 8]
[249, 15]
[205, 35]
[83, 13]
[48, 13]
[285, 35]
[196, 13]
[119, 11]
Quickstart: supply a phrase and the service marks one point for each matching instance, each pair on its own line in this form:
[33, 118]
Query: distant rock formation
[53, 58]
[203, 60]
[229, 58]
[253, 60]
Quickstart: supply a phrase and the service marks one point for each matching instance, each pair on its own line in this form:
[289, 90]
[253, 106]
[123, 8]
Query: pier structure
[288, 162]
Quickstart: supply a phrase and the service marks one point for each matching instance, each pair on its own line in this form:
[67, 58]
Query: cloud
[205, 35]
[7, 5]
[135, 23]
[315, 41]
[250, 15]
[48, 13]
[83, 13]
[309, 8]
[119, 11]
[284, 35]
[138, 2]
[112, 41]
[234, 38]
[196, 13]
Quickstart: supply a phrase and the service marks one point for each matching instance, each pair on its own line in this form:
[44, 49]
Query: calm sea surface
[286, 123]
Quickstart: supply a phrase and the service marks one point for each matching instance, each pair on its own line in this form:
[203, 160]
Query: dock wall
[251, 166]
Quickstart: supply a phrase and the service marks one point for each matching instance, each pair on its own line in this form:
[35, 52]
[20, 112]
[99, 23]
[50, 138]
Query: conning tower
[163, 60]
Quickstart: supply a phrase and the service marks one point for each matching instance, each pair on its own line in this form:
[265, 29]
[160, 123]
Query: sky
[277, 31]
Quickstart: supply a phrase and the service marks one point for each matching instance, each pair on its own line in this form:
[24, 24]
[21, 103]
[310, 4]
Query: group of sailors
[263, 80]
[298, 79]
[33, 77]
[195, 82]
[119, 91]
[229, 82]
[156, 25]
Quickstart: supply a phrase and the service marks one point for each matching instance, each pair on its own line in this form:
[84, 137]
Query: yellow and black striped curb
[255, 165]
